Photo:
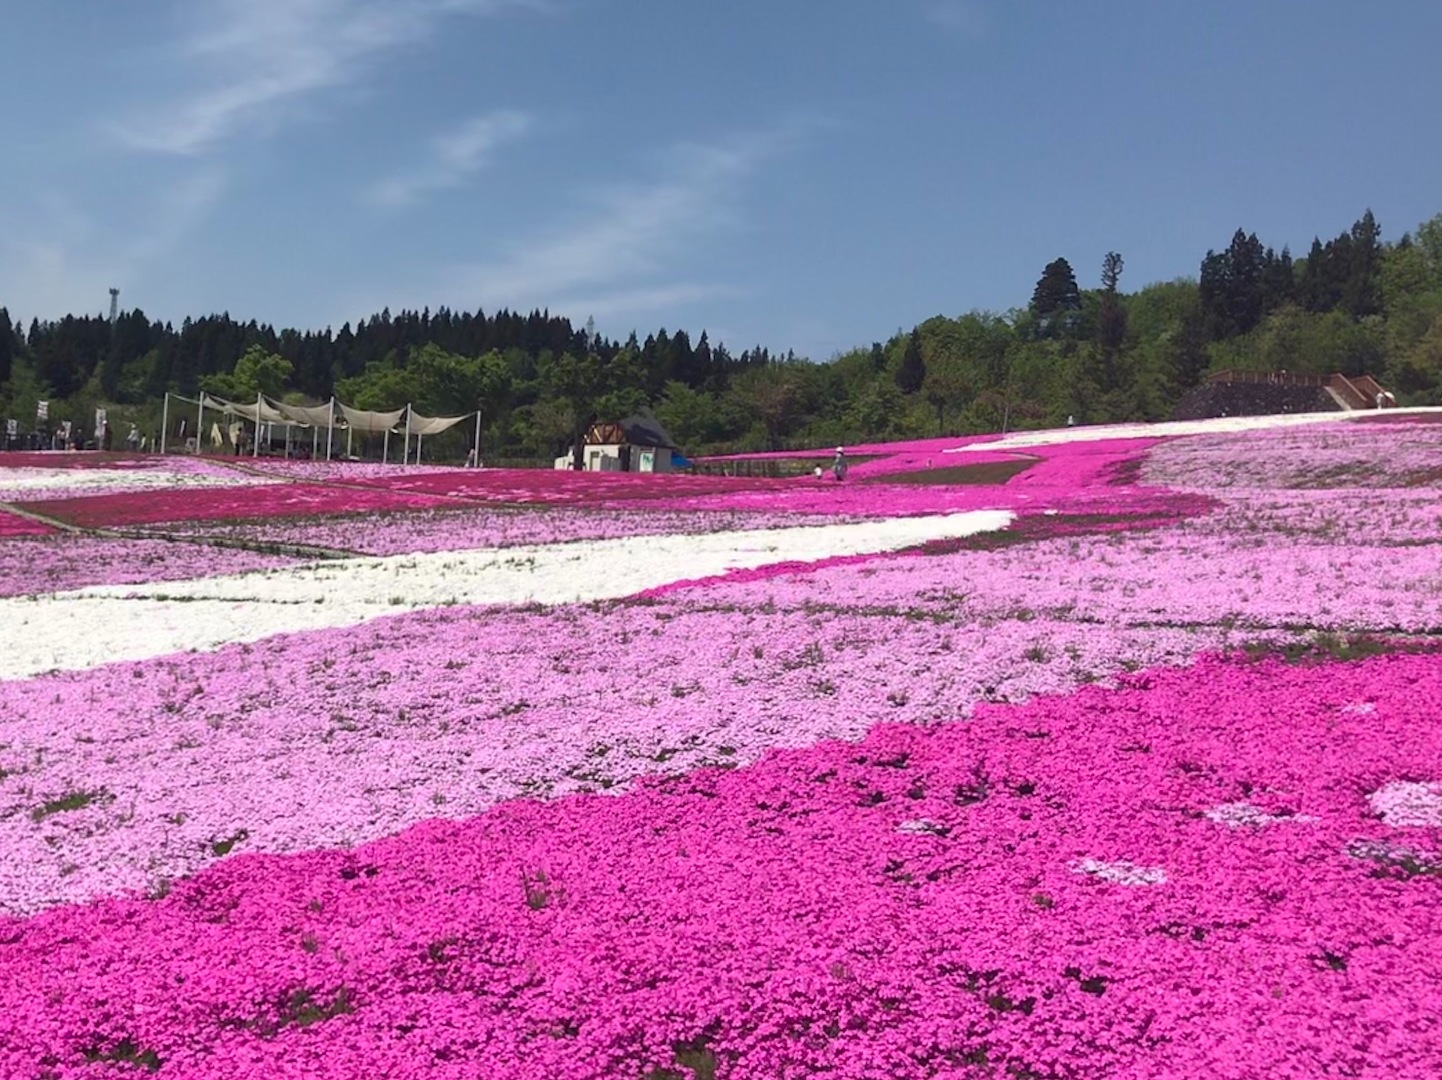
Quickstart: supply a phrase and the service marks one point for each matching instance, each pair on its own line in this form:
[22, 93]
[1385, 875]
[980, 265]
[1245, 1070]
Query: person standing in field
[838, 466]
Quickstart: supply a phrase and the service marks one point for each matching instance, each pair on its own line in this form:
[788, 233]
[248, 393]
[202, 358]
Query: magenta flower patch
[677, 777]
[1068, 909]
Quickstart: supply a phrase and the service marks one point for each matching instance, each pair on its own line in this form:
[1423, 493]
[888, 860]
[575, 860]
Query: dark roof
[644, 429]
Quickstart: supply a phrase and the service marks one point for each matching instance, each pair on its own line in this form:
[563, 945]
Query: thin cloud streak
[625, 249]
[632, 235]
[644, 301]
[454, 158]
[271, 54]
[963, 17]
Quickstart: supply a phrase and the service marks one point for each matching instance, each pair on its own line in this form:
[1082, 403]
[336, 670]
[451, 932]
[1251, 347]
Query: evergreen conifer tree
[7, 346]
[1056, 291]
[911, 375]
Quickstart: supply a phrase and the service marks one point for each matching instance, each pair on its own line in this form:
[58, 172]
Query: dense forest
[1353, 304]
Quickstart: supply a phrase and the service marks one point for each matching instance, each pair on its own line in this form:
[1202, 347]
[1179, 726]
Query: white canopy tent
[421, 426]
[264, 412]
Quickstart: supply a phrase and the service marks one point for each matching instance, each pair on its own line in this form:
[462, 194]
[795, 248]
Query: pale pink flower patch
[1408, 804]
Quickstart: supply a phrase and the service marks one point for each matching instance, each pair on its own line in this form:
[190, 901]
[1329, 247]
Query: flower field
[1124, 761]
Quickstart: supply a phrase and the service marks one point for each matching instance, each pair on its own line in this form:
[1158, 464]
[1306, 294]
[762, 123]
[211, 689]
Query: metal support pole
[349, 431]
[200, 423]
[330, 428]
[418, 447]
[255, 450]
[406, 454]
[164, 420]
[386, 449]
[478, 438]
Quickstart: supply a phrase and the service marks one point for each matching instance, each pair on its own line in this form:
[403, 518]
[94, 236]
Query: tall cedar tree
[1112, 317]
[7, 345]
[1056, 291]
[1279, 280]
[1345, 273]
[1231, 287]
[1362, 293]
[911, 375]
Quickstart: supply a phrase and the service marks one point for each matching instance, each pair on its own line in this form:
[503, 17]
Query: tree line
[1354, 304]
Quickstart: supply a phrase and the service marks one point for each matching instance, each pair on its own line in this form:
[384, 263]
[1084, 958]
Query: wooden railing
[1344, 388]
[1272, 378]
[1358, 392]
[1370, 388]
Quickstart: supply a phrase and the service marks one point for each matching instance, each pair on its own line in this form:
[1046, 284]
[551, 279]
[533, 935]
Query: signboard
[99, 424]
[65, 429]
[12, 428]
[42, 410]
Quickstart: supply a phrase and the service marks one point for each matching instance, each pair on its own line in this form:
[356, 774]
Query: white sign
[12, 428]
[42, 410]
[100, 423]
[65, 429]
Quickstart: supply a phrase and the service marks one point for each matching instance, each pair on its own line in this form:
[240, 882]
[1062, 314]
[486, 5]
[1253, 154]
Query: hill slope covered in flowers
[1145, 783]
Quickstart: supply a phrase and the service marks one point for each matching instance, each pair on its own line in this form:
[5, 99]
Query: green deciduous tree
[257, 371]
[773, 394]
[577, 381]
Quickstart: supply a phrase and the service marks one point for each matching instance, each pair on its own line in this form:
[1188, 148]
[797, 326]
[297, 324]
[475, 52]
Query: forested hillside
[1353, 304]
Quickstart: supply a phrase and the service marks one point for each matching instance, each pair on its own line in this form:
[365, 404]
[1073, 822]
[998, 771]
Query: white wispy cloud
[453, 157]
[964, 17]
[258, 60]
[642, 301]
[619, 251]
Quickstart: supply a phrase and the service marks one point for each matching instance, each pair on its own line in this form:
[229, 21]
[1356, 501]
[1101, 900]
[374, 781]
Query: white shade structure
[264, 411]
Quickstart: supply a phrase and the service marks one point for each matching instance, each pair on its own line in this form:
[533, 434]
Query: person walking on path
[838, 466]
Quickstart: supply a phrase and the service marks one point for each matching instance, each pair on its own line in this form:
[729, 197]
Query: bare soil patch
[993, 472]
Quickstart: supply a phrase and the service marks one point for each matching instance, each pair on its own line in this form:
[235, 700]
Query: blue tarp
[678, 461]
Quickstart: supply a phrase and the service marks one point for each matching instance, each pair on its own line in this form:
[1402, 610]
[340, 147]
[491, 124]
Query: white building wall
[606, 457]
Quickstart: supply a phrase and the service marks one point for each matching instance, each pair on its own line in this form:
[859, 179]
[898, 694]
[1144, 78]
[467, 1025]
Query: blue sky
[804, 174]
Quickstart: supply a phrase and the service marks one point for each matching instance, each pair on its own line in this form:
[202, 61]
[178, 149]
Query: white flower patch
[1359, 708]
[1168, 429]
[1404, 804]
[1397, 856]
[1122, 873]
[1239, 815]
[28, 485]
[73, 631]
[923, 827]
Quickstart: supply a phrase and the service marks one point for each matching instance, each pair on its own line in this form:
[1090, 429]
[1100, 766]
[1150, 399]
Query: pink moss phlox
[215, 504]
[74, 459]
[60, 563]
[458, 528]
[915, 905]
[1120, 515]
[14, 525]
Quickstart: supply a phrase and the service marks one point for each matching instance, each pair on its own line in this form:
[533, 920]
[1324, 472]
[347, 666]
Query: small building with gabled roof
[636, 444]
